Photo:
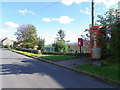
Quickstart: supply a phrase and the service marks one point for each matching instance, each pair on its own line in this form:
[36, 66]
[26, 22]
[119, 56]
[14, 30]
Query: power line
[43, 8]
[54, 3]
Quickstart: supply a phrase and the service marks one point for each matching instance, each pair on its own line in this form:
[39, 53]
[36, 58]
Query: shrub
[11, 46]
[29, 50]
[5, 46]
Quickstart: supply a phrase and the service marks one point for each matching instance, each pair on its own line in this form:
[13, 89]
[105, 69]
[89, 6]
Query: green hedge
[29, 50]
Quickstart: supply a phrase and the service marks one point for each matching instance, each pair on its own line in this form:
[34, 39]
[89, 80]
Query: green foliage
[61, 34]
[109, 39]
[11, 46]
[108, 18]
[27, 35]
[40, 44]
[115, 41]
[60, 46]
[29, 45]
[49, 57]
[108, 71]
[5, 46]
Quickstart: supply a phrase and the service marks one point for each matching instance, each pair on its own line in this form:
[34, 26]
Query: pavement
[19, 71]
[73, 62]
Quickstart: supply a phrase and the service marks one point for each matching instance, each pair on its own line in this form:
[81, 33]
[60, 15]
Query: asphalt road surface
[19, 71]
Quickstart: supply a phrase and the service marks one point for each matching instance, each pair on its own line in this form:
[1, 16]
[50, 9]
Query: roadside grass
[106, 71]
[48, 57]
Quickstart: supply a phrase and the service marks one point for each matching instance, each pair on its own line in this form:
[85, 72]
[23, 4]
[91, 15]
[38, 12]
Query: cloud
[67, 2]
[86, 11]
[61, 19]
[70, 2]
[8, 26]
[64, 19]
[11, 24]
[107, 3]
[46, 19]
[25, 12]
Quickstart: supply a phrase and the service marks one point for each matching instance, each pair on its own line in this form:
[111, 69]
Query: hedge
[29, 50]
[51, 53]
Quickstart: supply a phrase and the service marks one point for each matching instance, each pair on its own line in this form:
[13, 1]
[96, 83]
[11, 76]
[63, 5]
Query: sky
[49, 16]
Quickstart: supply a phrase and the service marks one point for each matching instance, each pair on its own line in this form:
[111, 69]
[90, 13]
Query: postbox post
[80, 43]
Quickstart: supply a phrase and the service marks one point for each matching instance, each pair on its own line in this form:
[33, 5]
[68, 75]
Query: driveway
[19, 71]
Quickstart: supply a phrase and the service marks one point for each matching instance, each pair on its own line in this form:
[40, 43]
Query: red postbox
[80, 42]
[95, 32]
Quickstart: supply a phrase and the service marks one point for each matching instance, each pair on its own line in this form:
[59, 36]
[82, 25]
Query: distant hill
[73, 43]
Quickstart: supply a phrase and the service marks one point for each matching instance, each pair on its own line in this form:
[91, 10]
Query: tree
[110, 33]
[27, 35]
[109, 18]
[61, 35]
[60, 45]
[40, 44]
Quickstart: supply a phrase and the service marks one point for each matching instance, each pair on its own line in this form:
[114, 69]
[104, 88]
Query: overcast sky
[72, 16]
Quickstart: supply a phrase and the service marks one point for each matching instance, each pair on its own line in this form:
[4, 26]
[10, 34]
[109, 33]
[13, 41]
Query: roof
[3, 39]
[96, 27]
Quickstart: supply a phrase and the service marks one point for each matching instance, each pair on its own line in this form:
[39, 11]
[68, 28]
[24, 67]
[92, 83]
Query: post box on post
[80, 43]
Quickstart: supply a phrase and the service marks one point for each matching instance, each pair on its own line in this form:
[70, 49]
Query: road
[19, 71]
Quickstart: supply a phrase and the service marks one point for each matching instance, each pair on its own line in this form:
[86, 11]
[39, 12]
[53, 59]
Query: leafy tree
[40, 44]
[110, 33]
[27, 34]
[61, 35]
[28, 45]
[60, 45]
[109, 18]
[115, 41]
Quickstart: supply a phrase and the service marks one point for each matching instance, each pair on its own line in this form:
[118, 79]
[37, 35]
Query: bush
[29, 50]
[11, 46]
[5, 46]
[29, 45]
[60, 46]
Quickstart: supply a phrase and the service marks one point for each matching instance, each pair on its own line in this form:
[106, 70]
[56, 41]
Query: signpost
[80, 43]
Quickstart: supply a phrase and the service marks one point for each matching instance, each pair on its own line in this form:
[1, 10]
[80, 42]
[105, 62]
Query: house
[6, 41]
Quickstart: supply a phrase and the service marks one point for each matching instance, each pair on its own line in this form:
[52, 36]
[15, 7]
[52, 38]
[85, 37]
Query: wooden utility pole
[92, 13]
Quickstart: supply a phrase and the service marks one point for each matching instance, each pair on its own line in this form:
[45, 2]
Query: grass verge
[49, 57]
[107, 71]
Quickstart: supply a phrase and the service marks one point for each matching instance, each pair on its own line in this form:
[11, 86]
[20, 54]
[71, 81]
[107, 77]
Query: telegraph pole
[92, 13]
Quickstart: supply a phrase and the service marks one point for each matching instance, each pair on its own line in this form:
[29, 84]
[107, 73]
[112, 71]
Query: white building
[6, 41]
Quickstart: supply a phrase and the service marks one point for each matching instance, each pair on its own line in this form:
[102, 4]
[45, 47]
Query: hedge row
[51, 53]
[29, 50]
[62, 53]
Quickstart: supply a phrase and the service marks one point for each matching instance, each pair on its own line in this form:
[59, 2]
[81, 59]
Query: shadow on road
[64, 77]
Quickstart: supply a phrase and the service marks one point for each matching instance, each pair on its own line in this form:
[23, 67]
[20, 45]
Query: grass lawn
[49, 57]
[107, 71]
